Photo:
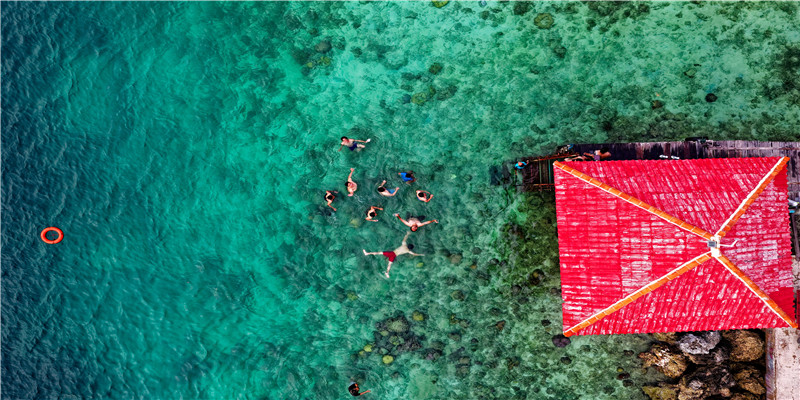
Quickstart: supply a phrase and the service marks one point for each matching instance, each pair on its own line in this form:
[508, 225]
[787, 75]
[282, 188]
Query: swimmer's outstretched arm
[382, 183]
[350, 177]
[415, 254]
[429, 222]
[402, 220]
[362, 141]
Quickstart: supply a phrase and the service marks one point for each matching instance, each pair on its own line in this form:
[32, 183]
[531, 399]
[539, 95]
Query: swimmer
[408, 177]
[371, 213]
[391, 255]
[353, 389]
[414, 222]
[424, 196]
[329, 197]
[383, 191]
[352, 144]
[351, 186]
[520, 165]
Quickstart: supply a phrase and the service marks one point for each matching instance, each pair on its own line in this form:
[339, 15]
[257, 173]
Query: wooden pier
[538, 174]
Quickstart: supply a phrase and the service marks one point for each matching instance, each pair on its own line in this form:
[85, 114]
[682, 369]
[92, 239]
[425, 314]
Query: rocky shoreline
[708, 365]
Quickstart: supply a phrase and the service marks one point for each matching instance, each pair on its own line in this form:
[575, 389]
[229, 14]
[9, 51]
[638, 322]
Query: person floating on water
[353, 389]
[415, 222]
[520, 165]
[351, 186]
[330, 197]
[392, 255]
[371, 214]
[383, 191]
[425, 196]
[408, 177]
[352, 144]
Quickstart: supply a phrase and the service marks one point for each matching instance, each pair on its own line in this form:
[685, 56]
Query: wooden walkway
[538, 175]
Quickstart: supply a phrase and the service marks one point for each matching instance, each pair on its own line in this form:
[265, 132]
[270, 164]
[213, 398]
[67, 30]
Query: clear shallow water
[184, 150]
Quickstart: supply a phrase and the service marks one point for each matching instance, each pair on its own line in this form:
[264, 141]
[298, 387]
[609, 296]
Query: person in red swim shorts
[392, 255]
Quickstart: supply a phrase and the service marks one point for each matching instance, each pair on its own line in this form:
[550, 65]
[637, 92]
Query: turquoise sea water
[184, 150]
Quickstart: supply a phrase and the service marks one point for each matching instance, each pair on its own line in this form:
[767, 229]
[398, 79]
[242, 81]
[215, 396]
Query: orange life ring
[52, 229]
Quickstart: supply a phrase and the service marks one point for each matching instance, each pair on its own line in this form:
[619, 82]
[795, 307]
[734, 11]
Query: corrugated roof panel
[693, 302]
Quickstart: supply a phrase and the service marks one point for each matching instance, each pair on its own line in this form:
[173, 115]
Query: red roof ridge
[766, 180]
[730, 266]
[635, 201]
[675, 273]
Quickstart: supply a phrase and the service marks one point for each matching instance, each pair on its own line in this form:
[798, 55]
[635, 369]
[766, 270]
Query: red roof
[634, 245]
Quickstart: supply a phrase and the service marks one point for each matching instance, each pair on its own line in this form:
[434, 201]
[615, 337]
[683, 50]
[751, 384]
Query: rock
[352, 296]
[323, 46]
[458, 295]
[412, 343]
[744, 396]
[745, 345]
[716, 356]
[398, 325]
[561, 341]
[387, 359]
[691, 72]
[368, 348]
[546, 322]
[566, 360]
[543, 21]
[405, 99]
[669, 363]
[435, 68]
[500, 325]
[476, 250]
[711, 97]
[455, 259]
[702, 344]
[627, 353]
[668, 337]
[396, 340]
[706, 382]
[439, 4]
[623, 376]
[521, 7]
[750, 379]
[447, 92]
[512, 362]
[560, 51]
[655, 104]
[432, 354]
[419, 98]
[665, 392]
[454, 336]
[418, 316]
